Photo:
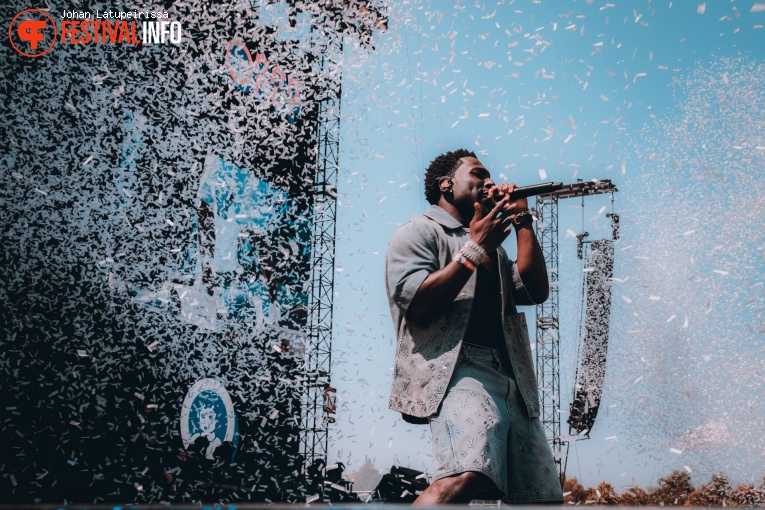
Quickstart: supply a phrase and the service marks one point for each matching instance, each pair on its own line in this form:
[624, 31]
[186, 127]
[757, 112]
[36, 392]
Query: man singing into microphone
[463, 360]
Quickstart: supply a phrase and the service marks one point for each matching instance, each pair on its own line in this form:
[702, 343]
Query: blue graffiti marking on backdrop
[251, 248]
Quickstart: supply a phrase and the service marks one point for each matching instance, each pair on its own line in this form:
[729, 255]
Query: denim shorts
[482, 426]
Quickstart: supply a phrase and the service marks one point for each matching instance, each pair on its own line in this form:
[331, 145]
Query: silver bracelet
[462, 259]
[474, 253]
[470, 256]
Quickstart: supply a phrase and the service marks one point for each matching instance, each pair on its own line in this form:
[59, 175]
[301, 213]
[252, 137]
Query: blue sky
[663, 98]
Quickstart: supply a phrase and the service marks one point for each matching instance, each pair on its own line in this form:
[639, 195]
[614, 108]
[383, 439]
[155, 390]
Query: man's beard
[488, 203]
[466, 210]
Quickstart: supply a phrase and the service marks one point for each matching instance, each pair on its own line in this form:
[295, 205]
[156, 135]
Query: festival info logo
[32, 32]
[208, 412]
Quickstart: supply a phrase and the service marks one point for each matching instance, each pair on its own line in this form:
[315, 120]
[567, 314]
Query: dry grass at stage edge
[673, 490]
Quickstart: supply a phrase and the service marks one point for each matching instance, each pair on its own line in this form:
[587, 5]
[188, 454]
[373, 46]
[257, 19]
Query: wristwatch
[522, 218]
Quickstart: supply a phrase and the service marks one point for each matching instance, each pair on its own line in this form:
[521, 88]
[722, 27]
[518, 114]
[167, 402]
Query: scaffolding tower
[318, 402]
[318, 354]
[548, 315]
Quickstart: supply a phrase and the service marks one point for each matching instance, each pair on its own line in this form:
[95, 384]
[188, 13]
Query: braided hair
[443, 166]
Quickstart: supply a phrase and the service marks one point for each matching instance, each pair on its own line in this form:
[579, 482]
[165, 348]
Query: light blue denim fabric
[482, 426]
[426, 352]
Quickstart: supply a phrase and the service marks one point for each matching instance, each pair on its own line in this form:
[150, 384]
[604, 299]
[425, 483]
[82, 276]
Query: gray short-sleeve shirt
[427, 351]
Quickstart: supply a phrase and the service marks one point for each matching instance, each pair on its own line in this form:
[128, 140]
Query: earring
[447, 189]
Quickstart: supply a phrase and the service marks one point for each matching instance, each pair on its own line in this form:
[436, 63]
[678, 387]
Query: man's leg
[460, 488]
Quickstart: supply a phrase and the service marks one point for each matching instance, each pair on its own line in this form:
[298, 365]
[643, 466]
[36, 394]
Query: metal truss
[548, 332]
[332, 21]
[317, 404]
[548, 313]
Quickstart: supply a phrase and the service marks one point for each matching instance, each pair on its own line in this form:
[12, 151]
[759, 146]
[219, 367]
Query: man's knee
[473, 480]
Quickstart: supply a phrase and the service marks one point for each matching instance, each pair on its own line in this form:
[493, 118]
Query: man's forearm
[531, 264]
[439, 290]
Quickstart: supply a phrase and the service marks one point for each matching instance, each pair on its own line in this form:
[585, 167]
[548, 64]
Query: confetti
[136, 134]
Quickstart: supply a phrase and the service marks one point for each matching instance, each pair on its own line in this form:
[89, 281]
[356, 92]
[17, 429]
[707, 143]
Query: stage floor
[266, 506]
[280, 506]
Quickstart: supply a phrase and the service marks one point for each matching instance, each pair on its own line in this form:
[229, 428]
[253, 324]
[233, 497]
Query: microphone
[535, 189]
